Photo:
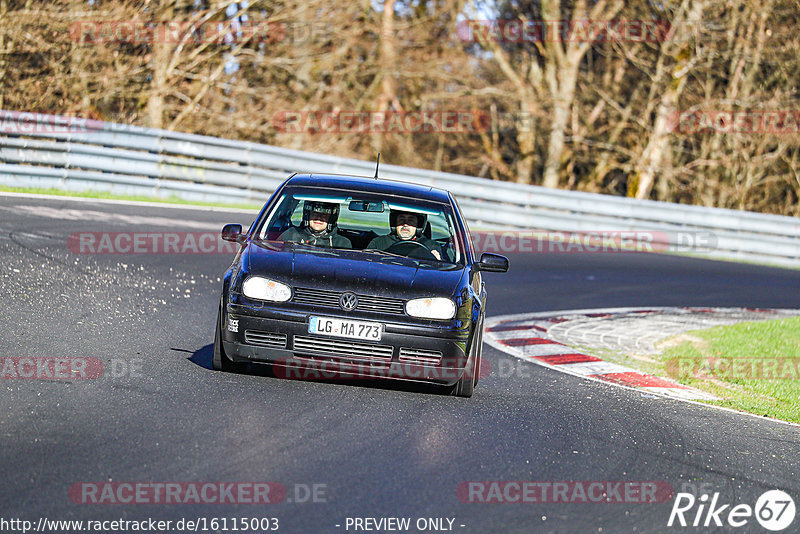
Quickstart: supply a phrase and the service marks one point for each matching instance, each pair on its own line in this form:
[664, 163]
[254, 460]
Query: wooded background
[576, 113]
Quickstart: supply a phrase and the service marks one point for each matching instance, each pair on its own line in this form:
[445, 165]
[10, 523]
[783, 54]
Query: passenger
[318, 227]
[406, 226]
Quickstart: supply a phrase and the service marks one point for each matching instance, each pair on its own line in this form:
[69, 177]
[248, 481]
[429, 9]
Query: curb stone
[549, 339]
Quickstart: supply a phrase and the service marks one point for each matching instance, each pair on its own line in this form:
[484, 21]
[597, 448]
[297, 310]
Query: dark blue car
[356, 278]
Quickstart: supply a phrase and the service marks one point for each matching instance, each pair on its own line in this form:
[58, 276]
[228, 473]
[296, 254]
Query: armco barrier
[52, 151]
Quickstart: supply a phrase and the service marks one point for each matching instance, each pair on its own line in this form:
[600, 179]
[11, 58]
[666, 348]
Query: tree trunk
[562, 104]
[388, 59]
[162, 52]
[562, 60]
[658, 143]
[526, 139]
[3, 53]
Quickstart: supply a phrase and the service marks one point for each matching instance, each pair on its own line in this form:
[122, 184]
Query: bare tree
[675, 62]
[567, 110]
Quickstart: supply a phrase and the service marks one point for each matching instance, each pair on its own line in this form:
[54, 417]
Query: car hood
[341, 270]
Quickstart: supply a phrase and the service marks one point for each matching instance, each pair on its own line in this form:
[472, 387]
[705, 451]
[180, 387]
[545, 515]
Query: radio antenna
[377, 165]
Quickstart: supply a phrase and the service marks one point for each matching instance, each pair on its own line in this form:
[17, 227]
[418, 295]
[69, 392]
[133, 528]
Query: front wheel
[478, 355]
[465, 386]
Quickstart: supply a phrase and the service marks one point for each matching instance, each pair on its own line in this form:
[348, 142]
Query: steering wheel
[449, 253]
[412, 249]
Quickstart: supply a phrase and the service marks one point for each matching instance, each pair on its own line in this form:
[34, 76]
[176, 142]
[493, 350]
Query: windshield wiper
[379, 251]
[299, 244]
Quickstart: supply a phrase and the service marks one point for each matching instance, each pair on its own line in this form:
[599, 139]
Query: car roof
[370, 185]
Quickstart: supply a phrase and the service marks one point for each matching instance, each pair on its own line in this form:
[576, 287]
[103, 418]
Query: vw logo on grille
[348, 301]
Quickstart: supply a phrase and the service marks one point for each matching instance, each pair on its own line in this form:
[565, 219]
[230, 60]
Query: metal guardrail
[59, 152]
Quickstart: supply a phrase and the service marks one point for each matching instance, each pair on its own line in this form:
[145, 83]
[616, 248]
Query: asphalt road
[375, 451]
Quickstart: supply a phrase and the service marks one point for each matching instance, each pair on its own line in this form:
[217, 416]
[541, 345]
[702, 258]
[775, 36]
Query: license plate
[331, 326]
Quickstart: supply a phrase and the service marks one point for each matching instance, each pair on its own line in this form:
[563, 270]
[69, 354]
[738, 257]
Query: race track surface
[377, 451]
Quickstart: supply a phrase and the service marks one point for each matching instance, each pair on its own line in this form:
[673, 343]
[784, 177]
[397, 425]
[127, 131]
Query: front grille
[330, 299]
[265, 339]
[420, 357]
[381, 304]
[316, 297]
[344, 349]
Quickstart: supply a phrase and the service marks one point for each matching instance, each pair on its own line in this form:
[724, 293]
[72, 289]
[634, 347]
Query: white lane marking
[91, 215]
[516, 334]
[682, 394]
[550, 349]
[595, 368]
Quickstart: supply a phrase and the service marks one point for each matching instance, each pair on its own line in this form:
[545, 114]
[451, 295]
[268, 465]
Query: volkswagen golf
[356, 277]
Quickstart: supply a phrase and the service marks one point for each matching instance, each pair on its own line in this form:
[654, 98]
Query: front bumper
[281, 338]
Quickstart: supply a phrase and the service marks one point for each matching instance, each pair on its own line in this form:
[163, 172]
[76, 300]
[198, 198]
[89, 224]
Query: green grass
[753, 367]
[104, 195]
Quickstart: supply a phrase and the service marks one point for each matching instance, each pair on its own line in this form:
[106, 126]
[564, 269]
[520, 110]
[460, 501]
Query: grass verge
[753, 367]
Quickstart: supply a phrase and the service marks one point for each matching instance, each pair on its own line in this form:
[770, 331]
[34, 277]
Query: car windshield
[369, 223]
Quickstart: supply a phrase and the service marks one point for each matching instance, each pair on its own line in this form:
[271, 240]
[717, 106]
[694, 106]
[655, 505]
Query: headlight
[431, 308]
[260, 288]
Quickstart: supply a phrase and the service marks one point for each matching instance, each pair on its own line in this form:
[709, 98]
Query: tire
[477, 369]
[219, 360]
[465, 386]
[479, 356]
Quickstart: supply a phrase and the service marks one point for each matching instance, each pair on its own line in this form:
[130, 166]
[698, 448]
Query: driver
[406, 226]
[318, 227]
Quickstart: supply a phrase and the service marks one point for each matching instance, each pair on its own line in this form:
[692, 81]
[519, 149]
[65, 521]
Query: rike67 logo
[774, 510]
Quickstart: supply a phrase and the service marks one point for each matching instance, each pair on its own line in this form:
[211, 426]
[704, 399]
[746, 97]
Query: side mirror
[492, 263]
[232, 232]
